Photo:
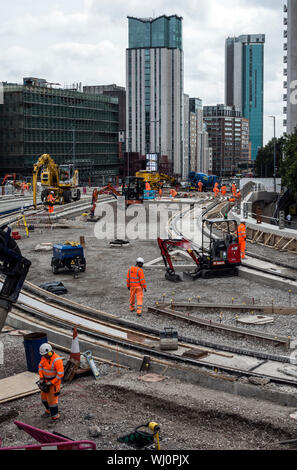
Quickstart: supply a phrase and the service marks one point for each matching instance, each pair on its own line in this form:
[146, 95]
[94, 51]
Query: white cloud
[85, 40]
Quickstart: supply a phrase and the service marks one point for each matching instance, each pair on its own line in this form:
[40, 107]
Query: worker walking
[160, 192]
[241, 230]
[216, 190]
[136, 285]
[200, 186]
[50, 202]
[147, 186]
[51, 372]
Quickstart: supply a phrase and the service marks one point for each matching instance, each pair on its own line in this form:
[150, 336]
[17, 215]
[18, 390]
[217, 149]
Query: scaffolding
[66, 124]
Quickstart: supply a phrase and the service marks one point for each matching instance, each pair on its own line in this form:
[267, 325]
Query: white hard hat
[243, 221]
[44, 349]
[140, 260]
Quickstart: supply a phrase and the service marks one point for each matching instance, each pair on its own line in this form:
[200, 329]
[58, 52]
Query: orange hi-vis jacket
[135, 277]
[50, 198]
[241, 232]
[51, 369]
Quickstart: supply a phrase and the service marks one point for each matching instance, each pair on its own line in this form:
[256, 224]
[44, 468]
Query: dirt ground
[190, 416]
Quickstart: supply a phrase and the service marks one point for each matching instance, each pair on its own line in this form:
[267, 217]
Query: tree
[289, 165]
[265, 158]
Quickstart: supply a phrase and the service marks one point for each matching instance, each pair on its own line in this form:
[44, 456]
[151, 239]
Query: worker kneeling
[51, 372]
[136, 284]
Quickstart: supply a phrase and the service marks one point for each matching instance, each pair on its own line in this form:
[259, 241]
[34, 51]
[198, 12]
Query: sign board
[152, 162]
[122, 137]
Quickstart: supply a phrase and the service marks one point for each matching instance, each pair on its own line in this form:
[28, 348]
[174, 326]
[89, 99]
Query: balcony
[285, 46]
[285, 59]
[285, 110]
[285, 97]
[285, 72]
[285, 21]
[285, 33]
[285, 9]
[285, 123]
[285, 84]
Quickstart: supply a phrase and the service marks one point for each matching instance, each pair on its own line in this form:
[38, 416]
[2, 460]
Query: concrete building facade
[229, 139]
[290, 65]
[186, 145]
[244, 82]
[155, 81]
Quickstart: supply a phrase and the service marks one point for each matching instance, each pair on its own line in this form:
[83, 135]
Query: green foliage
[289, 165]
[265, 158]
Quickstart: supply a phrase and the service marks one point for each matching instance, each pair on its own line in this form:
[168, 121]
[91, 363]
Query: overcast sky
[85, 40]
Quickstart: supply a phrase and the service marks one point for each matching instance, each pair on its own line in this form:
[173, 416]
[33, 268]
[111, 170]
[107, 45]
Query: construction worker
[173, 193]
[136, 284]
[160, 192]
[200, 186]
[238, 196]
[234, 190]
[241, 231]
[50, 202]
[147, 186]
[216, 190]
[51, 372]
[224, 190]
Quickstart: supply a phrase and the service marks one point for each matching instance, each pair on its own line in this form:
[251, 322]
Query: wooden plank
[17, 386]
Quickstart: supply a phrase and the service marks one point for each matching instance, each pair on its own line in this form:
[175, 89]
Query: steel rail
[221, 328]
[138, 347]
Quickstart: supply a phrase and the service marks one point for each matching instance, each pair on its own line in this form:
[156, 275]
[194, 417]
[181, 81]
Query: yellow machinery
[155, 178]
[62, 180]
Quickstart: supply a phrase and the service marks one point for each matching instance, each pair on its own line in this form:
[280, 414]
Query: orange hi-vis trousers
[242, 246]
[138, 293]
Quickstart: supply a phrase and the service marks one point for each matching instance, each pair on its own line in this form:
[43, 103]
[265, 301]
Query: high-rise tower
[154, 77]
[290, 65]
[244, 82]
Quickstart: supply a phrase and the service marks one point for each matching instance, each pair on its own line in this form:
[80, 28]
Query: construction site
[204, 359]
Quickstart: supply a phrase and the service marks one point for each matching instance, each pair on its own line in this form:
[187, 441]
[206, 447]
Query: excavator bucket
[173, 277]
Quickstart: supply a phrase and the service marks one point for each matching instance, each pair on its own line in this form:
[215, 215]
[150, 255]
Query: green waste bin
[32, 343]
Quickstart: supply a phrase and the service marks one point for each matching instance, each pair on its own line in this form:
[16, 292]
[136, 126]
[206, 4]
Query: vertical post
[74, 156]
[274, 156]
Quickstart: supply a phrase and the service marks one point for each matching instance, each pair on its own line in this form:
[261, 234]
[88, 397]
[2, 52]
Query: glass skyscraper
[154, 77]
[244, 82]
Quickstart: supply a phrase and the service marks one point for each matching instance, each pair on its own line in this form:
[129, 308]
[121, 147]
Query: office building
[229, 139]
[71, 126]
[244, 82]
[154, 78]
[290, 66]
[115, 91]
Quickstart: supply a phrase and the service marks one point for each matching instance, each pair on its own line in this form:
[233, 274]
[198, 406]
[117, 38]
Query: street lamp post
[274, 154]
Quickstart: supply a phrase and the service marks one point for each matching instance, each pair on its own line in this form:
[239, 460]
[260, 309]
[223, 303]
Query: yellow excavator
[62, 180]
[155, 178]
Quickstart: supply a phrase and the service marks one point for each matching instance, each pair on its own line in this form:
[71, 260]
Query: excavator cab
[66, 173]
[133, 188]
[221, 252]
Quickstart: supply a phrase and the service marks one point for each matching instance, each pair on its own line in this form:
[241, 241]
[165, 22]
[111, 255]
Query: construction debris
[255, 320]
[18, 386]
[151, 378]
[44, 247]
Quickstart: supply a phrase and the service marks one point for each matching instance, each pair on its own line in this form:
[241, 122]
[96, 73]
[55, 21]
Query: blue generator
[68, 257]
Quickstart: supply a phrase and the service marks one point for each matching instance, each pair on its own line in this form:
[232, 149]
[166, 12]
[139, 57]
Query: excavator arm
[15, 269]
[53, 173]
[164, 246]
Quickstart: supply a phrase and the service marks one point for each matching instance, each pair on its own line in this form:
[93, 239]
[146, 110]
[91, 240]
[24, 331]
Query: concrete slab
[273, 369]
[237, 362]
[255, 320]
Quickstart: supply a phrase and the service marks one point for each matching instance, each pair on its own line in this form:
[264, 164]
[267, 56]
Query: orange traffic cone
[75, 353]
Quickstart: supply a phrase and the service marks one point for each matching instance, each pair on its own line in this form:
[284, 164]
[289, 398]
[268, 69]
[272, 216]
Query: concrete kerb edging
[188, 374]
